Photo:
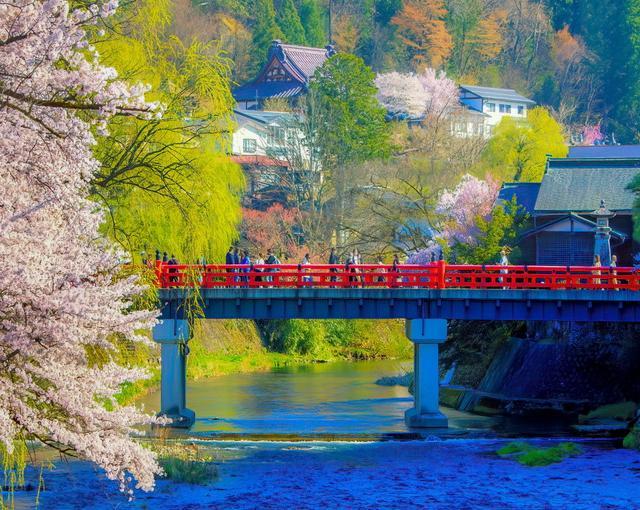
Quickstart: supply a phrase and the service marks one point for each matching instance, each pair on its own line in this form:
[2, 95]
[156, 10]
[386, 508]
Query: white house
[492, 105]
[261, 133]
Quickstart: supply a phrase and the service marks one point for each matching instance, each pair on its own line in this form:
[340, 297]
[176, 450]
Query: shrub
[192, 471]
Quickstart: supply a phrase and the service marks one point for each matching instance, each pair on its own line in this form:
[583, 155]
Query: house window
[249, 145]
[505, 108]
[520, 110]
[277, 135]
[491, 107]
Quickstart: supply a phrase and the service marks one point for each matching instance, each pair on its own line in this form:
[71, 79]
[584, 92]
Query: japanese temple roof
[300, 63]
[526, 194]
[578, 185]
[267, 90]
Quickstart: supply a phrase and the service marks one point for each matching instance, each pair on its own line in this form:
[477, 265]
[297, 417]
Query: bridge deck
[404, 303]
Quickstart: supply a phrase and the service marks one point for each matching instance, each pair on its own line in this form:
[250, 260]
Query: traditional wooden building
[562, 208]
[286, 75]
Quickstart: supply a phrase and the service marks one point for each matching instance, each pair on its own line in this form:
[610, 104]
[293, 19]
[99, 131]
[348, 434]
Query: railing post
[441, 269]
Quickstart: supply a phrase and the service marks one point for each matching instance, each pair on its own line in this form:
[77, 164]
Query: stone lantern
[602, 246]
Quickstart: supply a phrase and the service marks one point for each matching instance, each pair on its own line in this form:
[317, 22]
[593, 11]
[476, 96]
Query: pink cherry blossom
[428, 94]
[61, 288]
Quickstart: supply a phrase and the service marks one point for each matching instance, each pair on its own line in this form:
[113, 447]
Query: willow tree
[166, 181]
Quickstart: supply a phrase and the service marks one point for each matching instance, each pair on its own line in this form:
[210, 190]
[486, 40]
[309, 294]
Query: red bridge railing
[437, 275]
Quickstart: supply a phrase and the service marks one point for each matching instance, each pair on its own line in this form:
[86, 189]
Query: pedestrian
[228, 260]
[173, 261]
[333, 261]
[272, 260]
[504, 261]
[305, 262]
[259, 263]
[395, 268]
[245, 261]
[165, 257]
[614, 271]
[236, 262]
[379, 261]
[597, 272]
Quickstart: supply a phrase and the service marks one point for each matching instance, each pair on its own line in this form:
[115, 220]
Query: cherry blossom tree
[459, 212]
[401, 93]
[592, 135]
[62, 291]
[460, 208]
[428, 94]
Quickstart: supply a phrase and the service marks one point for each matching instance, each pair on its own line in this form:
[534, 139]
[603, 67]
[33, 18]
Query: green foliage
[518, 150]
[265, 30]
[500, 230]
[330, 339]
[167, 183]
[635, 186]
[353, 122]
[632, 441]
[191, 471]
[350, 122]
[624, 411]
[313, 23]
[529, 455]
[289, 22]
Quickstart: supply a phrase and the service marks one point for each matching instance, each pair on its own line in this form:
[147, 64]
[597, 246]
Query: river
[326, 436]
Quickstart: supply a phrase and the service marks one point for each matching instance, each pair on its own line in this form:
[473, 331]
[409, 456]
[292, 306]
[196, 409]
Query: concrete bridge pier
[173, 336]
[426, 335]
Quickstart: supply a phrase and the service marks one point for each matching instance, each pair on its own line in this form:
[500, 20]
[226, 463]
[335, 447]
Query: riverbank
[435, 474]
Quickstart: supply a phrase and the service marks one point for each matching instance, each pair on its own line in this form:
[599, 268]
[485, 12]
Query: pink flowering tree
[428, 94]
[461, 207]
[460, 213]
[62, 292]
[592, 134]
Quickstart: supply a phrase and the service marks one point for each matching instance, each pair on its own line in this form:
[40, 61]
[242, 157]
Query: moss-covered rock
[529, 455]
[632, 441]
[622, 411]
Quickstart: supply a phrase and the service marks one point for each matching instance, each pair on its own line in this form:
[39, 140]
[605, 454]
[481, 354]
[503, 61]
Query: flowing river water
[326, 436]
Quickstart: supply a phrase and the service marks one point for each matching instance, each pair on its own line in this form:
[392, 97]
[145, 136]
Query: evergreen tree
[313, 23]
[289, 22]
[265, 30]
[351, 123]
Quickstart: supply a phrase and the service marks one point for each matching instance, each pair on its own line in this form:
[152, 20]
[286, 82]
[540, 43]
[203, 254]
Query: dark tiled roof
[605, 151]
[266, 90]
[300, 62]
[578, 185]
[305, 60]
[498, 94]
[526, 194]
[266, 117]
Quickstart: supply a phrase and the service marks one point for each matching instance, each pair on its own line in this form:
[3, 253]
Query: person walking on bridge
[597, 263]
[173, 261]
[333, 260]
[504, 261]
[245, 261]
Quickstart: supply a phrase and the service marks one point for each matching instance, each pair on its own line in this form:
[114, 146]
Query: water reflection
[321, 398]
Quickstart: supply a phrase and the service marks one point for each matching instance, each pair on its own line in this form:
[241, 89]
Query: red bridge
[437, 275]
[425, 296]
